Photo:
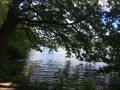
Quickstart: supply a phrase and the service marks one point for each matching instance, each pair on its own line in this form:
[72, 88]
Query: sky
[104, 4]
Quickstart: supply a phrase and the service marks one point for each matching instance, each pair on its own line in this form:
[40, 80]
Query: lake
[44, 65]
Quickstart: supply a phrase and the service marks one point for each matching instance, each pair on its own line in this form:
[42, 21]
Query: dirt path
[7, 85]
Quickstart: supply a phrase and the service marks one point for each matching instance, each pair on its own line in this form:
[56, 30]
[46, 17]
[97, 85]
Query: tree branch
[28, 21]
[23, 28]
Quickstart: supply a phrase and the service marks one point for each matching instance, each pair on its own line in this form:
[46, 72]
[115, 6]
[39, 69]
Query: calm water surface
[44, 65]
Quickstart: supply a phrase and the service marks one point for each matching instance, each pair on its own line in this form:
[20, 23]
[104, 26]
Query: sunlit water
[44, 65]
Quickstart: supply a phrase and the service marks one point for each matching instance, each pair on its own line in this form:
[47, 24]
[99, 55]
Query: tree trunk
[5, 32]
[9, 26]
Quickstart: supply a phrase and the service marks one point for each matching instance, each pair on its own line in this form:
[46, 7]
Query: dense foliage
[3, 10]
[15, 58]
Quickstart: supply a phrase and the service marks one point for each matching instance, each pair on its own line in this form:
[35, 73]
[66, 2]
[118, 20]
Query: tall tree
[9, 26]
[84, 27]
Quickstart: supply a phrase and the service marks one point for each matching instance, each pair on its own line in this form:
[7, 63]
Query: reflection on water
[44, 65]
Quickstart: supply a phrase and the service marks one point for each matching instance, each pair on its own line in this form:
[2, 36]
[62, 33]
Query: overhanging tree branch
[28, 21]
[27, 29]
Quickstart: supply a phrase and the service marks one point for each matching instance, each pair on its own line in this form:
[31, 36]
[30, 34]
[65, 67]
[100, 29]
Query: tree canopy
[87, 28]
